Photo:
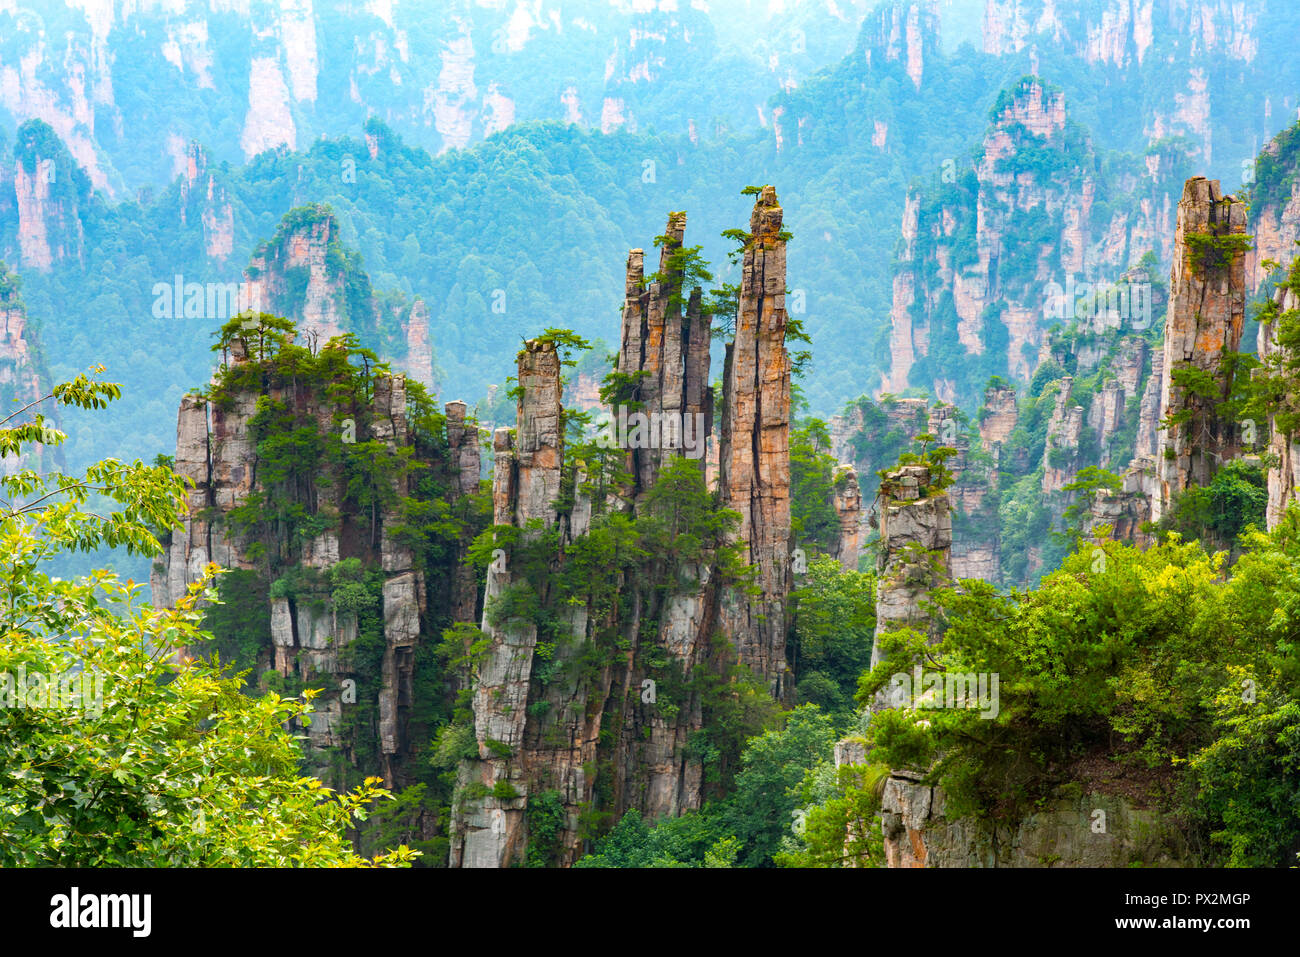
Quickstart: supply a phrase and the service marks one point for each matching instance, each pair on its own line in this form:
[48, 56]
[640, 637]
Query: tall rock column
[915, 551]
[755, 456]
[1207, 304]
[491, 830]
[466, 463]
[848, 505]
[1284, 448]
[668, 350]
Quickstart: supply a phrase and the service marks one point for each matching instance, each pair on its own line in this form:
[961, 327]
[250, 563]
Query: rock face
[1207, 291]
[1275, 206]
[971, 298]
[915, 550]
[217, 448]
[754, 472]
[902, 32]
[598, 737]
[23, 378]
[1284, 449]
[305, 273]
[848, 505]
[1149, 414]
[1106, 416]
[49, 191]
[293, 275]
[998, 416]
[204, 198]
[1063, 432]
[917, 834]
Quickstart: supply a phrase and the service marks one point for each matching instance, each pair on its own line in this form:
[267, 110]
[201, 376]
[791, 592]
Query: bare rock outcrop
[1207, 290]
[580, 735]
[915, 550]
[755, 462]
[998, 416]
[1284, 448]
[848, 506]
[1064, 429]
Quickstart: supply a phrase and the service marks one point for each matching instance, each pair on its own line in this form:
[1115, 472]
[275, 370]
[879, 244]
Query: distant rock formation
[23, 376]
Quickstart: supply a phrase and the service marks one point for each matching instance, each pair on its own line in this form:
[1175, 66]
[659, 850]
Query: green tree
[121, 750]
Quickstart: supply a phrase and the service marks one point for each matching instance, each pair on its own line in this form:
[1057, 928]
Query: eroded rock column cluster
[542, 737]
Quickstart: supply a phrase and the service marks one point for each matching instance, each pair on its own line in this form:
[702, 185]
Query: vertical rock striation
[1284, 449]
[755, 460]
[1207, 292]
[579, 727]
[915, 550]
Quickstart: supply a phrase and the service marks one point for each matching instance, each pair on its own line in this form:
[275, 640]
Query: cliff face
[276, 75]
[1207, 291]
[998, 416]
[1275, 205]
[906, 33]
[915, 551]
[972, 297]
[49, 191]
[326, 624]
[294, 275]
[1192, 40]
[23, 377]
[1284, 449]
[1063, 431]
[848, 506]
[305, 273]
[917, 833]
[613, 735]
[205, 200]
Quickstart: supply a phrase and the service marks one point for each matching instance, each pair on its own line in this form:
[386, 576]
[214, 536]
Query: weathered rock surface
[217, 450]
[23, 377]
[1284, 449]
[755, 461]
[991, 302]
[579, 729]
[848, 505]
[1064, 834]
[998, 416]
[1063, 432]
[1207, 290]
[915, 550]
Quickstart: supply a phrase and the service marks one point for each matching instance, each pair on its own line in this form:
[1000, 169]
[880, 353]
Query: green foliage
[546, 818]
[1155, 662]
[1218, 513]
[841, 826]
[813, 517]
[166, 762]
[1211, 252]
[834, 620]
[694, 839]
[760, 811]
